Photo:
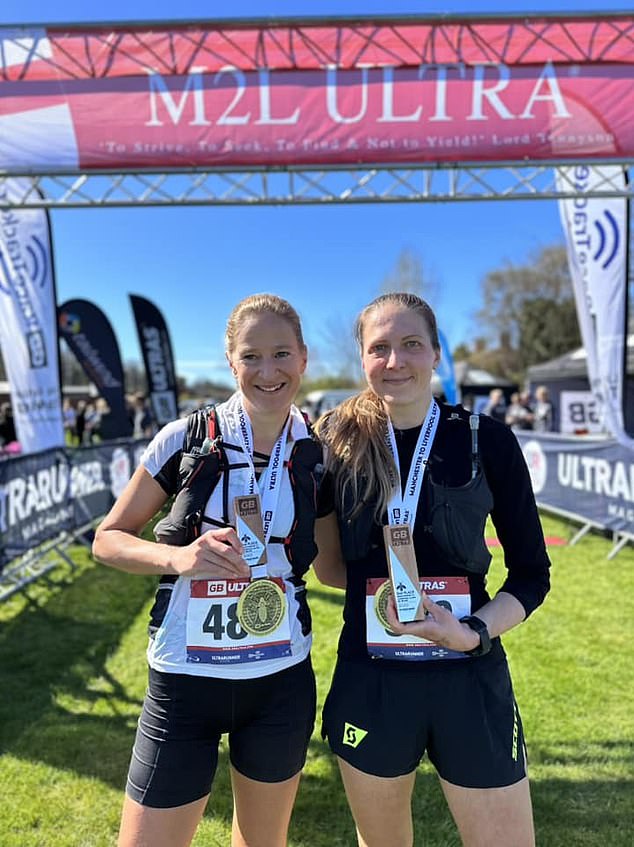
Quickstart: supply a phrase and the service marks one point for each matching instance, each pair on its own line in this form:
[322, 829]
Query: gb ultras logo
[24, 270]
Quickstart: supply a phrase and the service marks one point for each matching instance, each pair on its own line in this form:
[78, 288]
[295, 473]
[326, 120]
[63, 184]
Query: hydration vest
[203, 462]
[454, 516]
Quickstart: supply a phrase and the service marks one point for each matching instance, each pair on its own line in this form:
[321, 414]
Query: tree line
[528, 315]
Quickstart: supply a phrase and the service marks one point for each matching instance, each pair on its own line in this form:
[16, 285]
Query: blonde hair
[358, 456]
[260, 304]
[354, 432]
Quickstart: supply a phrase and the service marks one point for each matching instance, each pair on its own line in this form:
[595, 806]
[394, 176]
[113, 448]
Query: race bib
[214, 632]
[451, 592]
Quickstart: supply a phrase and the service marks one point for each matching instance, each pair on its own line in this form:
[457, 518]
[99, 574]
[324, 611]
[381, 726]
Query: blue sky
[196, 263]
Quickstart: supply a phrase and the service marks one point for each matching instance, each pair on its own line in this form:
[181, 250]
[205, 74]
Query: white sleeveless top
[167, 649]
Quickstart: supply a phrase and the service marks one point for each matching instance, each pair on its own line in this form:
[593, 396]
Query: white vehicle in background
[186, 407]
[323, 400]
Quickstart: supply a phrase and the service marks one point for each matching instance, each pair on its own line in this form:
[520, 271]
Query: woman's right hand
[216, 554]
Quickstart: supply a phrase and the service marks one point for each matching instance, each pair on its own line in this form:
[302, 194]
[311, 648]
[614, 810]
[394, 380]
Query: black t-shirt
[514, 515]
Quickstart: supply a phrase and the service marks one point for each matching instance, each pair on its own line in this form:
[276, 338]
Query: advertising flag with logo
[90, 336]
[596, 237]
[28, 333]
[446, 373]
[158, 359]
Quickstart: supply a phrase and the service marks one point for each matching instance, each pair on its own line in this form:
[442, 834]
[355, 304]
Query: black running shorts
[382, 719]
[269, 721]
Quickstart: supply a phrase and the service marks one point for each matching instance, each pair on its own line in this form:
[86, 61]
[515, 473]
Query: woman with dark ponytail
[412, 477]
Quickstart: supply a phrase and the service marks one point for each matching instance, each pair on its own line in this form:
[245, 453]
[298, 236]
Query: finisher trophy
[404, 578]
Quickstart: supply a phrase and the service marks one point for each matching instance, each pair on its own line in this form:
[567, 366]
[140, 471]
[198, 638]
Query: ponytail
[358, 456]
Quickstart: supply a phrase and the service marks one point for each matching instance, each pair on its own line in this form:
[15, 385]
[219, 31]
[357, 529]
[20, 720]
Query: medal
[262, 604]
[380, 604]
[261, 607]
[234, 621]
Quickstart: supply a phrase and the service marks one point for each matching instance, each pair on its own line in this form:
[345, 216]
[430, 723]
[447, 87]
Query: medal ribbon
[402, 507]
[270, 482]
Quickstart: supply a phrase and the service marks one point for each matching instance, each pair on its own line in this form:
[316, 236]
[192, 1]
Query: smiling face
[268, 362]
[398, 358]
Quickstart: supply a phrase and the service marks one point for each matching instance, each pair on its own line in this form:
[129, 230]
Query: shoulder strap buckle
[203, 436]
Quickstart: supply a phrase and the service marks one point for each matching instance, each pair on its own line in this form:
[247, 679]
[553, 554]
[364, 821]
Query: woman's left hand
[438, 626]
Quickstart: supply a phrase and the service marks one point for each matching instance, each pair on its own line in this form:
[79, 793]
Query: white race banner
[596, 237]
[28, 322]
[34, 130]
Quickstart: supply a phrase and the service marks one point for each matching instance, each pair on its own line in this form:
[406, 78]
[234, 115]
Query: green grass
[72, 676]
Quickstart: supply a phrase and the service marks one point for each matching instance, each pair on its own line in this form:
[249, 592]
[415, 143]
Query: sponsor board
[58, 490]
[592, 479]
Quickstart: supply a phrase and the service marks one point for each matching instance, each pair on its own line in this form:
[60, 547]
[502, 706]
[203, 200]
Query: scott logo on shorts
[353, 735]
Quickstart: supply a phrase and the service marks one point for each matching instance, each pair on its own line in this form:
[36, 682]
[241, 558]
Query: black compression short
[269, 721]
[381, 719]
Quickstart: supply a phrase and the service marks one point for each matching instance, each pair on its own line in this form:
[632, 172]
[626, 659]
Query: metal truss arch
[304, 186]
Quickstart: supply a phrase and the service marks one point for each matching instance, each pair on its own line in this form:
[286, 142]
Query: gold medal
[261, 607]
[380, 604]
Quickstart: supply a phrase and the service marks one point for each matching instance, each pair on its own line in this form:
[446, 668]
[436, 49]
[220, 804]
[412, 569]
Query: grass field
[72, 676]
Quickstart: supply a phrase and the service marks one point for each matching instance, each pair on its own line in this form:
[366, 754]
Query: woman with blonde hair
[414, 480]
[230, 642]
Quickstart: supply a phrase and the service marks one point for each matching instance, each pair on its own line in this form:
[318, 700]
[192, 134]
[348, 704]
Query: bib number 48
[215, 626]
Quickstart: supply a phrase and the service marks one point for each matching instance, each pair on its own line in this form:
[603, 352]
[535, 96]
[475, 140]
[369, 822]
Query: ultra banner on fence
[90, 336]
[312, 92]
[590, 479]
[59, 491]
[28, 326]
[158, 359]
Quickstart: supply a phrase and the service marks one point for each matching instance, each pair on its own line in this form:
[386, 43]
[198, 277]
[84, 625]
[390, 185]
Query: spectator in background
[543, 412]
[80, 422]
[69, 416]
[142, 420]
[7, 425]
[518, 413]
[527, 402]
[468, 401]
[105, 426]
[496, 406]
[91, 422]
